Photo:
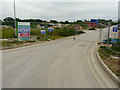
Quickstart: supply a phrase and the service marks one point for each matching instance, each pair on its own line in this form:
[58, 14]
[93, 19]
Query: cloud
[61, 0]
[62, 10]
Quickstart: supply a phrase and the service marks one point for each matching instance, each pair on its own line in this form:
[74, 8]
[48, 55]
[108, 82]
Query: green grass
[113, 64]
[116, 48]
[105, 53]
[12, 43]
[53, 37]
[0, 43]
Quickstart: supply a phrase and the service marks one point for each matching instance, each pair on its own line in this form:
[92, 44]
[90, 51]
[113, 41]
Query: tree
[86, 21]
[18, 20]
[9, 21]
[53, 21]
[66, 22]
[79, 21]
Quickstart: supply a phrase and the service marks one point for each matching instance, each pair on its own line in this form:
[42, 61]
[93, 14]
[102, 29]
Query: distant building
[58, 25]
[92, 24]
[77, 27]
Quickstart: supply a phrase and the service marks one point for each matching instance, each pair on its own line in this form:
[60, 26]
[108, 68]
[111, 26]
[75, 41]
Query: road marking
[91, 50]
[99, 72]
[99, 81]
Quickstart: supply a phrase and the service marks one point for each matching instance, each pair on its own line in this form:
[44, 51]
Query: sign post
[50, 30]
[23, 31]
[43, 32]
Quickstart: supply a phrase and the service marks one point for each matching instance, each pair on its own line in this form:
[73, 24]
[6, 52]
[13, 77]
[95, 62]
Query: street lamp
[15, 18]
[100, 33]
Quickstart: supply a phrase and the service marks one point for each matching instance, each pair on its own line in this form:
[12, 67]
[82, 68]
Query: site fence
[113, 36]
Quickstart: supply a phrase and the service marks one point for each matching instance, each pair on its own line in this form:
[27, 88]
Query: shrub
[38, 37]
[80, 32]
[66, 32]
[92, 28]
[116, 48]
[35, 32]
[7, 33]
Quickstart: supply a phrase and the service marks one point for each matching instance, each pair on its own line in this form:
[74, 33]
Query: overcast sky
[61, 11]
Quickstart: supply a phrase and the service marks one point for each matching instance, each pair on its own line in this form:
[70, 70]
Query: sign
[23, 31]
[114, 29]
[92, 25]
[50, 29]
[96, 21]
[43, 31]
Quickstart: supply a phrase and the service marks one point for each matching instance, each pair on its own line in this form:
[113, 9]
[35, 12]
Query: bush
[116, 48]
[66, 32]
[10, 33]
[35, 32]
[80, 32]
[92, 28]
[7, 33]
[38, 37]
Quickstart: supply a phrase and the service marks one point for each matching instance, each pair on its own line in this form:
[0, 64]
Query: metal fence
[107, 37]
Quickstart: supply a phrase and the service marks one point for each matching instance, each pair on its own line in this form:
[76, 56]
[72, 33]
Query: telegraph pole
[15, 19]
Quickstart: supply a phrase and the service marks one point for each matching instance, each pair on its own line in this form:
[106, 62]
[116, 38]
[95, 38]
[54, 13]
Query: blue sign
[114, 29]
[43, 31]
[94, 21]
[23, 30]
[50, 29]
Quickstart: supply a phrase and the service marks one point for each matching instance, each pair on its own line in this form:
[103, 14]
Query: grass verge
[109, 58]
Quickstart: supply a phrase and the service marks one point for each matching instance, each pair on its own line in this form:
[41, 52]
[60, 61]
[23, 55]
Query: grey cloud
[63, 10]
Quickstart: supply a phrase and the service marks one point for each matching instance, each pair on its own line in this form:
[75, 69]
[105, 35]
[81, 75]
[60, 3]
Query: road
[63, 63]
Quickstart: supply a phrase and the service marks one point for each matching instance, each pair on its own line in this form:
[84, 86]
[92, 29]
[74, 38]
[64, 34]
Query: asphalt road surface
[63, 63]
